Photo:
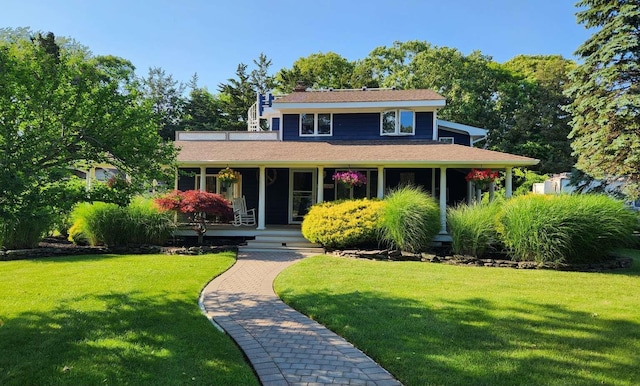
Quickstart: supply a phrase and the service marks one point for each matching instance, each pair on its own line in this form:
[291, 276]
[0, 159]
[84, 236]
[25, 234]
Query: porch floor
[228, 230]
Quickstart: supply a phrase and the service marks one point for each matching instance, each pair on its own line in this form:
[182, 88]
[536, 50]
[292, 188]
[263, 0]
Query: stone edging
[22, 254]
[617, 262]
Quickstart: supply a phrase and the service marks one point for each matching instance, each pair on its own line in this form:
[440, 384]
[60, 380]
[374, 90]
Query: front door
[302, 193]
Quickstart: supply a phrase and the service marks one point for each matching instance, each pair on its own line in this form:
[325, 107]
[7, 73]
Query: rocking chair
[242, 216]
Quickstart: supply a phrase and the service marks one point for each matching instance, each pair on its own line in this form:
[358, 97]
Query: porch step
[291, 240]
[318, 251]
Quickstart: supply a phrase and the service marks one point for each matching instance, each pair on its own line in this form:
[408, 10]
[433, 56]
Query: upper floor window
[315, 124]
[397, 122]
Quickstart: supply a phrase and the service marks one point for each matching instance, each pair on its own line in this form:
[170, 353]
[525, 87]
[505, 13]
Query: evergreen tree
[606, 92]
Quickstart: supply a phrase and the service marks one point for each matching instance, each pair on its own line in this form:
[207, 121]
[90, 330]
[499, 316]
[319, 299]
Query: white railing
[252, 118]
[226, 136]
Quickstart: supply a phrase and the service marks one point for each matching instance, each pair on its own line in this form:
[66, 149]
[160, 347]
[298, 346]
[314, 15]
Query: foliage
[60, 106]
[473, 228]
[197, 205]
[410, 219]
[238, 94]
[439, 324]
[321, 70]
[343, 224]
[109, 224]
[532, 122]
[26, 231]
[202, 110]
[564, 228]
[166, 97]
[117, 190]
[106, 319]
[605, 89]
[350, 178]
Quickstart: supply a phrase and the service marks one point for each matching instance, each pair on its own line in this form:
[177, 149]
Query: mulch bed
[444, 256]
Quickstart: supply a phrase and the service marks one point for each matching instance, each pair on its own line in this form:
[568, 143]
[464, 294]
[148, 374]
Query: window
[212, 185]
[315, 124]
[397, 122]
[449, 140]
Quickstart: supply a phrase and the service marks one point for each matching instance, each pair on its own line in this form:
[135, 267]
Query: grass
[432, 324]
[106, 320]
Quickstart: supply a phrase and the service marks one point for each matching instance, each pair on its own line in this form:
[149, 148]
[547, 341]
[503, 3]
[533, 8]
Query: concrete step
[278, 238]
[261, 244]
[318, 251]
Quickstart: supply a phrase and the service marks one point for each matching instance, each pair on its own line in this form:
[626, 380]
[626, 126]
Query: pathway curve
[283, 346]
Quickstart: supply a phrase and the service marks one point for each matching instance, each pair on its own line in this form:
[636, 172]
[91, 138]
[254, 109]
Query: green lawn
[442, 324]
[107, 320]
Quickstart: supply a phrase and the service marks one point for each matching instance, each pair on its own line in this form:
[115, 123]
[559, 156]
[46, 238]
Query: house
[392, 136]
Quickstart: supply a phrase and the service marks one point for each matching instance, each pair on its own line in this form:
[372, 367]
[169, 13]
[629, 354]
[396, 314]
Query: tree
[532, 121]
[321, 70]
[202, 111]
[59, 108]
[166, 97]
[197, 205]
[261, 81]
[605, 89]
[237, 96]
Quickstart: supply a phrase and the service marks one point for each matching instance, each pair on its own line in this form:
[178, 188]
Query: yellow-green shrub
[343, 224]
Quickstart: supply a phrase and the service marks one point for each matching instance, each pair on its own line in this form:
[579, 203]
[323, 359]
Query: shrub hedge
[473, 228]
[100, 223]
[564, 228]
[410, 219]
[343, 224]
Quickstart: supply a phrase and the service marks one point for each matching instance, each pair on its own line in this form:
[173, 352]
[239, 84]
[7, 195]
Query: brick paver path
[284, 346]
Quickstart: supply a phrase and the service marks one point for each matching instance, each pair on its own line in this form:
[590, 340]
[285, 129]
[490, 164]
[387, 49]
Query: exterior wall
[459, 139]
[357, 126]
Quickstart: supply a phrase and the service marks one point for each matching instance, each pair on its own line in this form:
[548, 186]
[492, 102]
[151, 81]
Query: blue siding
[459, 139]
[355, 126]
[275, 124]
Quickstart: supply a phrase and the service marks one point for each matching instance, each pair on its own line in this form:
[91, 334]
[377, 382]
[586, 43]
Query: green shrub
[109, 224]
[566, 228]
[25, 231]
[410, 219]
[343, 224]
[473, 228]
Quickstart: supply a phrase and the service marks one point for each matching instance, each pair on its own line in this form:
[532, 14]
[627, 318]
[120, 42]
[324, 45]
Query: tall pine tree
[606, 92]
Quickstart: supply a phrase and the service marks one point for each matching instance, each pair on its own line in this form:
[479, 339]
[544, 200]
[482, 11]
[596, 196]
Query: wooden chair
[242, 216]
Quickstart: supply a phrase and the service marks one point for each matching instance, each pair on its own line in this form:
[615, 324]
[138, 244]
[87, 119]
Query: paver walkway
[283, 346]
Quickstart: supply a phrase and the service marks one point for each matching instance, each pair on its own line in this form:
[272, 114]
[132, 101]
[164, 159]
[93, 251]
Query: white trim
[262, 197]
[320, 188]
[449, 140]
[381, 181]
[315, 125]
[434, 129]
[508, 183]
[347, 105]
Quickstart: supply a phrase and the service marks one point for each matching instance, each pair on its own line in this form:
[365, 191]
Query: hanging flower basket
[482, 178]
[350, 178]
[228, 176]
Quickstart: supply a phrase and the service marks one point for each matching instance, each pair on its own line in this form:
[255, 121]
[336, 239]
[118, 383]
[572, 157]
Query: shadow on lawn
[127, 338]
[477, 342]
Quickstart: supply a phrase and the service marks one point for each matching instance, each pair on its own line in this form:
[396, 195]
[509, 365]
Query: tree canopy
[60, 108]
[605, 89]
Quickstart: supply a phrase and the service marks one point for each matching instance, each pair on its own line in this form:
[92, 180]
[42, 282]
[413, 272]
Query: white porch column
[262, 199]
[470, 193]
[175, 182]
[380, 182]
[320, 184]
[203, 178]
[433, 182]
[443, 201]
[508, 183]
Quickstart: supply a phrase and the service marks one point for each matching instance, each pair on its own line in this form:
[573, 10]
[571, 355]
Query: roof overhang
[358, 105]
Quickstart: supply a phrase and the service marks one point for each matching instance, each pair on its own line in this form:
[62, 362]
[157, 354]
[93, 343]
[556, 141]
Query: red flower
[482, 176]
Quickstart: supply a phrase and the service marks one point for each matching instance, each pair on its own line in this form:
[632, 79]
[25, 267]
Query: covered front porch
[282, 194]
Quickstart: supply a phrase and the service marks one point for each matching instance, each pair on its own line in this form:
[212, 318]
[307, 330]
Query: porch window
[397, 122]
[315, 125]
[449, 140]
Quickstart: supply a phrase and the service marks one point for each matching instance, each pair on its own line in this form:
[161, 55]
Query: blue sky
[212, 37]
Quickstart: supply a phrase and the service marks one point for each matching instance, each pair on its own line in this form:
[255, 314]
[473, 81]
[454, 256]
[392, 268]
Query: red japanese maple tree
[197, 205]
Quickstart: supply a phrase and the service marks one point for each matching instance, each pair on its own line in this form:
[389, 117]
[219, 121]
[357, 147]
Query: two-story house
[392, 136]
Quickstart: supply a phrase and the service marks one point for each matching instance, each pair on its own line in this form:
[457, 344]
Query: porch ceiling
[329, 153]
